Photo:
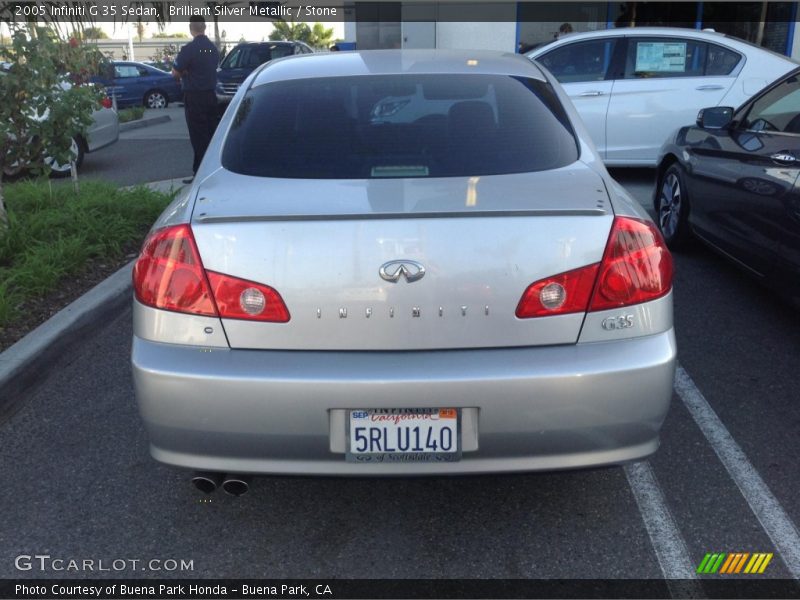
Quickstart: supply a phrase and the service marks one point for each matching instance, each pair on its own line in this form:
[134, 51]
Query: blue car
[138, 84]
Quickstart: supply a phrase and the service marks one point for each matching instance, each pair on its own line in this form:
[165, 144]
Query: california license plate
[403, 435]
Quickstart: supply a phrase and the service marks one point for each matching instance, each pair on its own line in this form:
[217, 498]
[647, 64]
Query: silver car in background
[460, 288]
[103, 131]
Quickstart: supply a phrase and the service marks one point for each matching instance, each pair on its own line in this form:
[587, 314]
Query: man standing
[196, 67]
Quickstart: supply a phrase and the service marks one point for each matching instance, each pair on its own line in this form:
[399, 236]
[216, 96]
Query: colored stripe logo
[734, 563]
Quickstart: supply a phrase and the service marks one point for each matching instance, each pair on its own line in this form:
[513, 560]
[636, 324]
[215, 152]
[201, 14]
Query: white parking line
[779, 527]
[665, 537]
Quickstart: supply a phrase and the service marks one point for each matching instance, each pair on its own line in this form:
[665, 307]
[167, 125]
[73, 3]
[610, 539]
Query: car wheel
[155, 99]
[63, 170]
[673, 208]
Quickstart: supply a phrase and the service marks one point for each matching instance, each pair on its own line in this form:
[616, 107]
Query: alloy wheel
[669, 205]
[156, 100]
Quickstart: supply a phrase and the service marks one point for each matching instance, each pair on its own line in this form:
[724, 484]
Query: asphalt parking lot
[83, 485]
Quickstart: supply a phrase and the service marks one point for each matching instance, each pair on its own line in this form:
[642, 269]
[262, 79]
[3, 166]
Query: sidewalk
[164, 124]
[167, 186]
[24, 362]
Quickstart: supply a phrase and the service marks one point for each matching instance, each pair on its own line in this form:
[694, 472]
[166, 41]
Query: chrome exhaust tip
[236, 485]
[207, 482]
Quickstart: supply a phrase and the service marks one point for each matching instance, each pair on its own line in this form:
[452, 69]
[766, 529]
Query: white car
[634, 86]
[103, 131]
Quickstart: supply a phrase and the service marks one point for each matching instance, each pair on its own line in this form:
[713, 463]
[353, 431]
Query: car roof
[268, 43]
[703, 34]
[397, 62]
[646, 31]
[707, 35]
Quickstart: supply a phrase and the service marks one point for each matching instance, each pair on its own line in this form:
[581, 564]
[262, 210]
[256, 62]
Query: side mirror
[716, 117]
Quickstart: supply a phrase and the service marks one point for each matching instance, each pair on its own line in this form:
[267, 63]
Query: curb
[144, 122]
[23, 363]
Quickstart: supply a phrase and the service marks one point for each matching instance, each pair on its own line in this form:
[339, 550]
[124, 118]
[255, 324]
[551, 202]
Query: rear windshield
[399, 126]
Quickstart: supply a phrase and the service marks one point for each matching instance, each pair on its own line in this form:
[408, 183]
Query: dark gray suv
[243, 60]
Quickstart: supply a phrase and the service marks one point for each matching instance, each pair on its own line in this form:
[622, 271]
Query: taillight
[106, 102]
[241, 299]
[560, 294]
[170, 275]
[636, 267]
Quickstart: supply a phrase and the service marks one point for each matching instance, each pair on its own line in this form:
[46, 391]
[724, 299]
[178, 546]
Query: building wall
[477, 36]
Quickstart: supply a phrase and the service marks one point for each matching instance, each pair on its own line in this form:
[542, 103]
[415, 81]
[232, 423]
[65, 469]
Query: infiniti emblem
[393, 270]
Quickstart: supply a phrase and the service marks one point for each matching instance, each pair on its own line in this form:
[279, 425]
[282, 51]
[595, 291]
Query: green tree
[163, 35]
[320, 36]
[92, 33]
[47, 100]
[140, 31]
[165, 56]
[317, 36]
[283, 30]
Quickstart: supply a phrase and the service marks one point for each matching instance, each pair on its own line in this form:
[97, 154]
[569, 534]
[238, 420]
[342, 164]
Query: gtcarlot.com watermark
[45, 563]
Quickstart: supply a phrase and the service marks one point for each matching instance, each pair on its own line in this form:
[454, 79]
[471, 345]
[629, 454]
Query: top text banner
[251, 11]
[169, 11]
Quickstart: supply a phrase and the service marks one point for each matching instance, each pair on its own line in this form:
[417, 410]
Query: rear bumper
[280, 411]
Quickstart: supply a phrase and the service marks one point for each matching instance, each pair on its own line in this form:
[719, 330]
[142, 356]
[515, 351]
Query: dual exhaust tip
[235, 485]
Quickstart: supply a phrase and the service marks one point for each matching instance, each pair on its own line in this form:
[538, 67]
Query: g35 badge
[618, 322]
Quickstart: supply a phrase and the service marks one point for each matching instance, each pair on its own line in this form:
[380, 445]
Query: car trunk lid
[481, 241]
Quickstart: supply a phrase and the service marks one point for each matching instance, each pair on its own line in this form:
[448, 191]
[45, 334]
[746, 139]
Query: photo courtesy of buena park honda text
[390, 299]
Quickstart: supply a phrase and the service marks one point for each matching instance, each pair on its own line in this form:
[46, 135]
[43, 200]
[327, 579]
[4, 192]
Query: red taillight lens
[106, 102]
[636, 266]
[169, 274]
[241, 299]
[560, 294]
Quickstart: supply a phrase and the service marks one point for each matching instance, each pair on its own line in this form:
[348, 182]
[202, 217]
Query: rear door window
[664, 57]
[721, 61]
[399, 126]
[126, 71]
[677, 57]
[580, 61]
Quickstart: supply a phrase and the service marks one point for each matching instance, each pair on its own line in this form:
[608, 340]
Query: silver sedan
[401, 263]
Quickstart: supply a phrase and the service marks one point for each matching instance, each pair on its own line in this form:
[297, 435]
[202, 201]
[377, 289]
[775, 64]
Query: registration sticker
[404, 435]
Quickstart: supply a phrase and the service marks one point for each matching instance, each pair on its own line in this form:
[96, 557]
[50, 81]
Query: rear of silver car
[410, 306]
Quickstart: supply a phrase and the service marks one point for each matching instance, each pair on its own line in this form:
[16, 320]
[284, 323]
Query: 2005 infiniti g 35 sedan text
[402, 263]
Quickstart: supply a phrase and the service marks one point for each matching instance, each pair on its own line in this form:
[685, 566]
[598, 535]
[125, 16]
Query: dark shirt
[197, 62]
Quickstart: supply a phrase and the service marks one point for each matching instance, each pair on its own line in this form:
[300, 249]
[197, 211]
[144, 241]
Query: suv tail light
[636, 267]
[169, 275]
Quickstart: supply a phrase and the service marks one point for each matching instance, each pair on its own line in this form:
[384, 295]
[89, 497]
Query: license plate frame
[402, 456]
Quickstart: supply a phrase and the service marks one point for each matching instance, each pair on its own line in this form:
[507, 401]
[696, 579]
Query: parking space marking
[665, 537]
[773, 518]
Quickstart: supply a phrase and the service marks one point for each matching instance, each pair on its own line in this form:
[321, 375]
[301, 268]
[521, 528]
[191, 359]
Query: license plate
[404, 435]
